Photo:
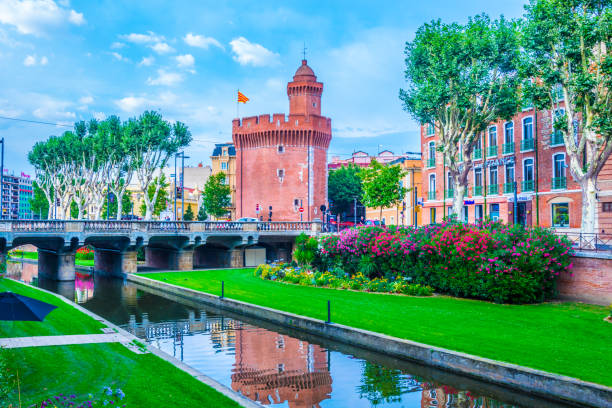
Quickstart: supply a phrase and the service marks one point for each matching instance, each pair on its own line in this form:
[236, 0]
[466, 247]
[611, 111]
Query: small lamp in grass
[609, 318]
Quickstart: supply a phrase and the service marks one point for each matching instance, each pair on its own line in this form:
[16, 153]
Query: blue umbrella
[14, 307]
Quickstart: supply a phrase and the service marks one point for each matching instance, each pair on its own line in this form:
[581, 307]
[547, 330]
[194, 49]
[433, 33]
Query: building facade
[281, 162]
[223, 160]
[363, 159]
[407, 212]
[17, 193]
[525, 152]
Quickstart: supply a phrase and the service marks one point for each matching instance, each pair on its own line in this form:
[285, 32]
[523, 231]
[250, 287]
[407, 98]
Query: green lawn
[34, 255]
[147, 380]
[564, 338]
[63, 320]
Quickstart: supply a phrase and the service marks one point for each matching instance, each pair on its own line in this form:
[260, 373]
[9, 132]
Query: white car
[247, 219]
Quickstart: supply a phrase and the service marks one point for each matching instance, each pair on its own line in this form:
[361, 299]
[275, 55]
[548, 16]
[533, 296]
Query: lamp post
[2, 181]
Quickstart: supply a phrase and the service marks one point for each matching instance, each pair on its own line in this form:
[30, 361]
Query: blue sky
[63, 61]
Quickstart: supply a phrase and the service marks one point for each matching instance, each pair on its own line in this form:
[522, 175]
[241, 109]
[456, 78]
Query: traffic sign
[301, 209]
[257, 208]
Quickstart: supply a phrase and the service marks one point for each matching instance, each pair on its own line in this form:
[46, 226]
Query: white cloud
[248, 53]
[117, 45]
[29, 61]
[52, 109]
[35, 16]
[76, 18]
[185, 61]
[99, 115]
[165, 78]
[200, 41]
[86, 100]
[118, 56]
[131, 103]
[161, 48]
[149, 37]
[32, 60]
[147, 61]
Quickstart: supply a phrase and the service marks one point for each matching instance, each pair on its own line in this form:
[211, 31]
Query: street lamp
[183, 157]
[2, 181]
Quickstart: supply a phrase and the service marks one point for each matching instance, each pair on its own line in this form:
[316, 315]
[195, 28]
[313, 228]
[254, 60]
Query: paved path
[37, 341]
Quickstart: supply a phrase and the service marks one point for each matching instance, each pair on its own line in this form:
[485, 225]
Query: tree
[460, 79]
[188, 216]
[154, 142]
[158, 195]
[126, 205]
[202, 216]
[568, 69]
[216, 195]
[381, 185]
[39, 202]
[344, 185]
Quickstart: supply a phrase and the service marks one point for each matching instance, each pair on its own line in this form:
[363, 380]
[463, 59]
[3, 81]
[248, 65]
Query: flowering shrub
[340, 280]
[85, 253]
[488, 261]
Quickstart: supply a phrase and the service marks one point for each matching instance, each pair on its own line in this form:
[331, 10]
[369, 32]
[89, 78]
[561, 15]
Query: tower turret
[304, 92]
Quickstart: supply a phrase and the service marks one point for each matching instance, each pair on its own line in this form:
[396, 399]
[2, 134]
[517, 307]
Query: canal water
[270, 364]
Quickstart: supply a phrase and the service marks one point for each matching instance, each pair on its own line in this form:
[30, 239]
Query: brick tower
[282, 162]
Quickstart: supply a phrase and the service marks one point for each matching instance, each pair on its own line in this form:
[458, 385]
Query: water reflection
[266, 366]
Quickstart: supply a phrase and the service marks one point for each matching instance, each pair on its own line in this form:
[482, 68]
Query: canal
[270, 364]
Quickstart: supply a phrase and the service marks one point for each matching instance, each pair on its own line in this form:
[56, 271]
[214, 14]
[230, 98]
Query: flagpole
[237, 104]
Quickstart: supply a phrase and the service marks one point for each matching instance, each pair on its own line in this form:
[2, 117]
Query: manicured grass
[147, 380]
[63, 320]
[34, 255]
[564, 338]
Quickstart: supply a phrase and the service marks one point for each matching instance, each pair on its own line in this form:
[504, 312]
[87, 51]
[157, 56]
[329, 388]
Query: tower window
[280, 173]
[314, 104]
[281, 149]
[296, 202]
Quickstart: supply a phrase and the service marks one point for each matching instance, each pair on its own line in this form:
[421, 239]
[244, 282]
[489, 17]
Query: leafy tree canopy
[344, 184]
[216, 195]
[381, 185]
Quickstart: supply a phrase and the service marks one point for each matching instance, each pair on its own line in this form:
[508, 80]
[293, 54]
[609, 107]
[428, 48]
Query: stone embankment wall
[591, 281]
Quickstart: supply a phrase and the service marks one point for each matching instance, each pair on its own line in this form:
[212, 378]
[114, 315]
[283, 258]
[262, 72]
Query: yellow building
[224, 160]
[407, 211]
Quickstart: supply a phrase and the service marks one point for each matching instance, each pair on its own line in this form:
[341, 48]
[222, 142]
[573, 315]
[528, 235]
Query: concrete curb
[543, 384]
[217, 386]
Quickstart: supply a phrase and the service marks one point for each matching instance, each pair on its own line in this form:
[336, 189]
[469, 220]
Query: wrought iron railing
[559, 183]
[493, 189]
[589, 241]
[492, 151]
[528, 185]
[527, 144]
[508, 188]
[431, 195]
[556, 139]
[508, 148]
[477, 154]
[285, 226]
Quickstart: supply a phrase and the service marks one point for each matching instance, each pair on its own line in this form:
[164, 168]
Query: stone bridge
[174, 245]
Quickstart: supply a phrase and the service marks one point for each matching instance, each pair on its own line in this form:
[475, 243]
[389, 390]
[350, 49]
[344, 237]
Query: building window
[509, 132]
[510, 173]
[493, 136]
[466, 212]
[493, 175]
[432, 187]
[557, 92]
[430, 129]
[431, 151]
[606, 207]
[559, 180]
[478, 215]
[314, 104]
[296, 202]
[494, 212]
[432, 215]
[560, 214]
[557, 135]
[281, 149]
[280, 173]
[528, 128]
[225, 151]
[528, 175]
[223, 165]
[478, 177]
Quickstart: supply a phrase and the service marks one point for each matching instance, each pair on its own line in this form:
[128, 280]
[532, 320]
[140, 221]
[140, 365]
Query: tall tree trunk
[589, 205]
[119, 198]
[458, 197]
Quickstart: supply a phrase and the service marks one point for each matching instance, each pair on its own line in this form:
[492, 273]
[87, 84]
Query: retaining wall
[591, 281]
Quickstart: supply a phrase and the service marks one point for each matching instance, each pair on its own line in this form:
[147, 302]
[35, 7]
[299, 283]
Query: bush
[489, 261]
[306, 250]
[85, 253]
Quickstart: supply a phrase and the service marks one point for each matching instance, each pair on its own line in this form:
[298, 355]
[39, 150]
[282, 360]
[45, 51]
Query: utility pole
[182, 186]
[355, 210]
[174, 186]
[2, 182]
[515, 204]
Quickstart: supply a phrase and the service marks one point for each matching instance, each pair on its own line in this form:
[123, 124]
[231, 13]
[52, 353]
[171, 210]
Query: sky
[64, 61]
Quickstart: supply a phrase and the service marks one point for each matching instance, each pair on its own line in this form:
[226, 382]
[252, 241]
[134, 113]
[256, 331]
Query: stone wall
[591, 281]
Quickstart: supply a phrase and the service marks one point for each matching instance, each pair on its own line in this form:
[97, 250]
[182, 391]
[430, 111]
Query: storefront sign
[468, 202]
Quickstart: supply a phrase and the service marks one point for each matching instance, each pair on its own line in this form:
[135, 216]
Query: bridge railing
[589, 241]
[116, 226]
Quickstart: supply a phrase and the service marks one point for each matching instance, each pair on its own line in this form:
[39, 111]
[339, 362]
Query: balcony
[527, 144]
[431, 162]
[477, 191]
[493, 189]
[491, 151]
[528, 185]
[431, 195]
[450, 193]
[477, 154]
[556, 139]
[508, 148]
[508, 188]
[559, 183]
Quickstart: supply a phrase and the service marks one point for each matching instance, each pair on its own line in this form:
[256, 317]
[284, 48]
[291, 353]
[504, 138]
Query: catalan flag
[242, 98]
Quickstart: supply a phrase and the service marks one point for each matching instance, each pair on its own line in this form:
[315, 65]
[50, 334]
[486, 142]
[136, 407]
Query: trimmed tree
[188, 214]
[216, 196]
[381, 185]
[568, 70]
[460, 79]
[344, 185]
[202, 216]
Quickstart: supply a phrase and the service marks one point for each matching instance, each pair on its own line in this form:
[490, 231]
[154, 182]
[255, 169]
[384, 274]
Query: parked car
[247, 219]
[372, 223]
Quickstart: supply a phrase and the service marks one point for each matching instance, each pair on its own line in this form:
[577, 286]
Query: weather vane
[304, 51]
